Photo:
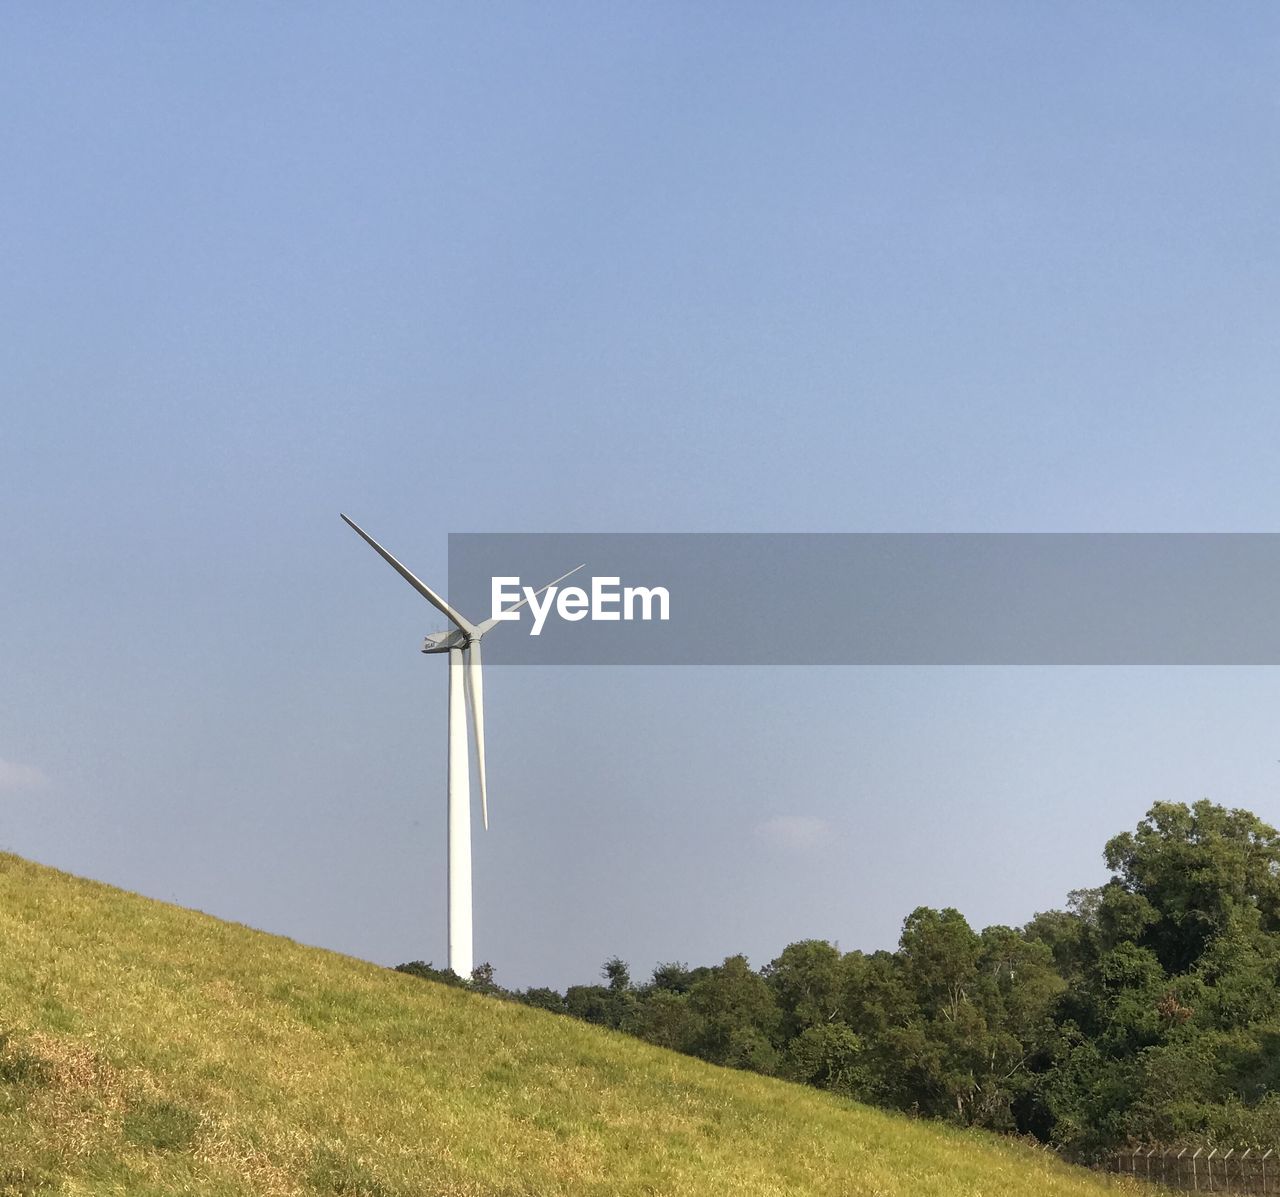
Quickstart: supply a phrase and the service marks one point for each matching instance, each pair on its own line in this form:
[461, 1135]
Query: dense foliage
[1148, 1010]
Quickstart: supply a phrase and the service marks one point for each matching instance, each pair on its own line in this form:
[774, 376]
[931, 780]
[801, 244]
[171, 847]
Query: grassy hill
[149, 1049]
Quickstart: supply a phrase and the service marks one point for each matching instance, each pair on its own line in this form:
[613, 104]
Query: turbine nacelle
[442, 642]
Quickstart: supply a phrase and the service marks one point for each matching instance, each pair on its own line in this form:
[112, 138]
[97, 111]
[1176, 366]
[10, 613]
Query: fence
[1202, 1170]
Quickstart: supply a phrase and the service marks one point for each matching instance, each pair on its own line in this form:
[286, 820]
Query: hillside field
[147, 1049]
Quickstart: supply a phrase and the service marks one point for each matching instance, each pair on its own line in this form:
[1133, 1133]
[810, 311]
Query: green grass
[146, 1050]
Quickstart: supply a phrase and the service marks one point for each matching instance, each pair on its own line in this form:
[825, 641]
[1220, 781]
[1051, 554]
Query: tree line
[1146, 1011]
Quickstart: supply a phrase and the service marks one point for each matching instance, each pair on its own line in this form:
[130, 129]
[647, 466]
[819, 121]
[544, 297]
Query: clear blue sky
[577, 267]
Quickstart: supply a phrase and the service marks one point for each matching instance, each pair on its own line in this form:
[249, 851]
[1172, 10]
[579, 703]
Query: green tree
[939, 953]
[668, 1019]
[623, 1004]
[1197, 867]
[426, 971]
[739, 1018]
[675, 977]
[591, 1003]
[808, 983]
[542, 998]
[483, 980]
[828, 1056]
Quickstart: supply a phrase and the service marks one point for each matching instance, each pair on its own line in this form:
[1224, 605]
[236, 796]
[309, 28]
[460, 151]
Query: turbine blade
[475, 694]
[421, 587]
[481, 628]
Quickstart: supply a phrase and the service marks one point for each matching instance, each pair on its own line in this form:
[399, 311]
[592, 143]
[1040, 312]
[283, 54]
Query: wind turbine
[462, 643]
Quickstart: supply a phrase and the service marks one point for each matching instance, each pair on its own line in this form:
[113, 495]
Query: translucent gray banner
[876, 598]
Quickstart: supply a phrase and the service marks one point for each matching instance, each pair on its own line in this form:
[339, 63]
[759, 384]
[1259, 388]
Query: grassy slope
[156, 1050]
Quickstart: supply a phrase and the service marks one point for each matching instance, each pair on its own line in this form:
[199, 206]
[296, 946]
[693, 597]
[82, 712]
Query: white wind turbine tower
[462, 643]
